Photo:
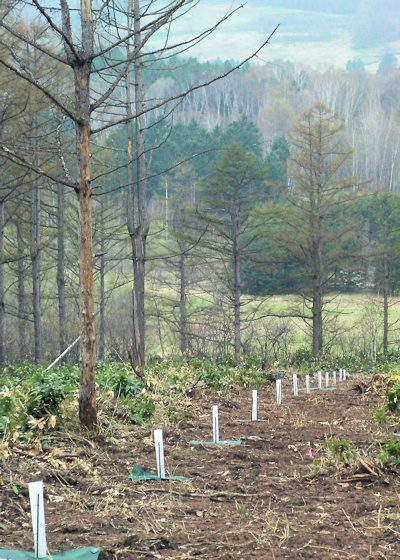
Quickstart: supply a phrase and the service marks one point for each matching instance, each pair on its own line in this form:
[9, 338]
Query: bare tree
[316, 216]
[86, 57]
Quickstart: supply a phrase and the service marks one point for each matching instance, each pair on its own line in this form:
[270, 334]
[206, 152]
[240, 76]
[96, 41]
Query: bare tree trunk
[35, 261]
[2, 289]
[385, 304]
[21, 297]
[62, 308]
[182, 303]
[102, 268]
[317, 324]
[237, 282]
[87, 392]
[138, 218]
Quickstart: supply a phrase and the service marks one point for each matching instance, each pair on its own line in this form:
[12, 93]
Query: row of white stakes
[36, 488]
[342, 377]
[36, 496]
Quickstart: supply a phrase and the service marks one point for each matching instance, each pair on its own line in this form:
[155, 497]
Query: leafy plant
[341, 450]
[45, 398]
[142, 409]
[390, 452]
[126, 386]
[393, 394]
[380, 416]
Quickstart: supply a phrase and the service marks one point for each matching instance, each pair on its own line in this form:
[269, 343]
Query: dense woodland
[276, 179]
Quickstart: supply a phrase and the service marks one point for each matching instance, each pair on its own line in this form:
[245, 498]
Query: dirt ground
[263, 499]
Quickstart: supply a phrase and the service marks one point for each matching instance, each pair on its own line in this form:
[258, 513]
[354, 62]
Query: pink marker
[310, 453]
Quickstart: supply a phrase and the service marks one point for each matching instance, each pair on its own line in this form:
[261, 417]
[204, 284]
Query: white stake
[279, 391]
[38, 521]
[340, 374]
[215, 424]
[295, 385]
[307, 383]
[327, 379]
[254, 407]
[159, 444]
[344, 375]
[319, 380]
[334, 378]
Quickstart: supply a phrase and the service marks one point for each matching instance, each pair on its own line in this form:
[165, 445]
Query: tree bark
[385, 294]
[21, 296]
[87, 392]
[35, 262]
[2, 288]
[182, 301]
[138, 217]
[62, 308]
[237, 278]
[102, 274]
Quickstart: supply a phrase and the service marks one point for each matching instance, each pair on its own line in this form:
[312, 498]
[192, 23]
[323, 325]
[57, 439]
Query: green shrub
[142, 410]
[393, 396]
[380, 416]
[126, 386]
[341, 450]
[390, 452]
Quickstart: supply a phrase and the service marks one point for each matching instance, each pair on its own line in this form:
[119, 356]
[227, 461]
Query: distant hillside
[316, 32]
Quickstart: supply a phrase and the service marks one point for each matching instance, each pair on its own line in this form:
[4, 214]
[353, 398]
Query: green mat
[225, 442]
[138, 473]
[87, 553]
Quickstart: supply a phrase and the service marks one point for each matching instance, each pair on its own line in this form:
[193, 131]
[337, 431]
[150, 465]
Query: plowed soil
[264, 499]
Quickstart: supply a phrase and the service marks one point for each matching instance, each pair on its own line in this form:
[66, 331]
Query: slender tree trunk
[385, 304]
[35, 261]
[21, 297]
[62, 308]
[237, 283]
[2, 288]
[317, 325]
[102, 273]
[87, 392]
[138, 218]
[182, 302]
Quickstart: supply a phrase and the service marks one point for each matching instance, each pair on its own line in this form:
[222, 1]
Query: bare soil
[264, 499]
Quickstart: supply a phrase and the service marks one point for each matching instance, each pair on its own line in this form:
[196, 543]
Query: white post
[295, 385]
[279, 391]
[334, 378]
[327, 379]
[254, 407]
[159, 444]
[320, 380]
[307, 383]
[344, 375]
[215, 424]
[38, 521]
[340, 374]
[63, 354]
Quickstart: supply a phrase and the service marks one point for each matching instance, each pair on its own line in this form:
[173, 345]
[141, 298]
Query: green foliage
[341, 450]
[390, 452]
[142, 409]
[302, 357]
[380, 416]
[393, 395]
[126, 386]
[45, 398]
[276, 162]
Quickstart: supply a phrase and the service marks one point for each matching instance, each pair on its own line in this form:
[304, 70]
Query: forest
[156, 203]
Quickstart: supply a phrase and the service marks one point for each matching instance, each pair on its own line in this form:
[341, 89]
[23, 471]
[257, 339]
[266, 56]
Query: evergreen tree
[233, 189]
